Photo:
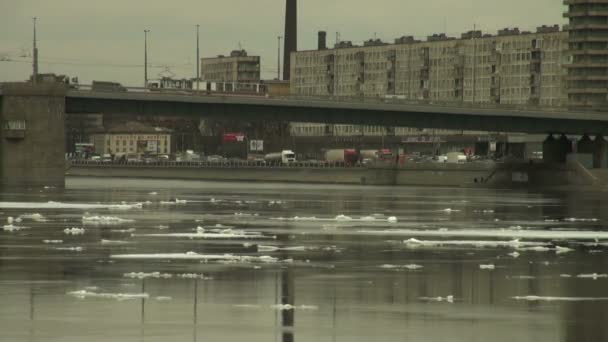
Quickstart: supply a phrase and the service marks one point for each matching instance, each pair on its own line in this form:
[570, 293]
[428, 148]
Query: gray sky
[103, 40]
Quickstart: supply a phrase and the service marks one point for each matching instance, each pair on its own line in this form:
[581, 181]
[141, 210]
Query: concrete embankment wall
[431, 175]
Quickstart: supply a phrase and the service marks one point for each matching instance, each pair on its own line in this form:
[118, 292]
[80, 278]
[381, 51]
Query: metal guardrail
[219, 164]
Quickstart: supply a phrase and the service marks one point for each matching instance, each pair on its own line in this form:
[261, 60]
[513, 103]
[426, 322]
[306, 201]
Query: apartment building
[511, 67]
[237, 70]
[588, 39]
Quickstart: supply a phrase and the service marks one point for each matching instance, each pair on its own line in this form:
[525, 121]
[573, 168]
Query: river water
[152, 260]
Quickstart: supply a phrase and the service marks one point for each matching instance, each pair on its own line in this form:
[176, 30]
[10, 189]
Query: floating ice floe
[559, 299]
[495, 233]
[565, 276]
[174, 202]
[487, 267]
[13, 228]
[289, 307]
[154, 193]
[193, 276]
[162, 227]
[450, 210]
[83, 294]
[448, 299]
[574, 219]
[521, 277]
[472, 243]
[34, 217]
[220, 234]
[71, 249]
[125, 206]
[514, 254]
[74, 231]
[262, 248]
[59, 205]
[104, 220]
[410, 267]
[392, 219]
[9, 220]
[163, 298]
[51, 242]
[593, 276]
[124, 231]
[143, 275]
[202, 257]
[114, 242]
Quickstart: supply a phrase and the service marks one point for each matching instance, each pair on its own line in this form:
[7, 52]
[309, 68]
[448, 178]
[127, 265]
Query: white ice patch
[559, 299]
[114, 242]
[450, 210]
[262, 248]
[201, 233]
[574, 219]
[289, 307]
[74, 231]
[174, 202]
[502, 233]
[593, 276]
[83, 294]
[489, 267]
[154, 193]
[414, 243]
[34, 217]
[521, 277]
[59, 205]
[142, 275]
[125, 206]
[163, 298]
[565, 276]
[410, 267]
[448, 299]
[162, 227]
[193, 276]
[51, 242]
[124, 231]
[104, 220]
[392, 219]
[514, 254]
[13, 228]
[71, 249]
[196, 256]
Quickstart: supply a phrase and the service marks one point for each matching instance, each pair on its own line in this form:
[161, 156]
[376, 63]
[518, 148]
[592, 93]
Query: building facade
[588, 42]
[512, 67]
[237, 70]
[133, 138]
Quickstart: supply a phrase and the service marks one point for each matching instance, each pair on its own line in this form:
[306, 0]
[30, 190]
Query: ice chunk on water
[593, 276]
[163, 298]
[196, 256]
[411, 267]
[13, 228]
[514, 254]
[74, 231]
[449, 299]
[104, 220]
[83, 294]
[154, 193]
[559, 299]
[487, 267]
[72, 249]
[9, 220]
[143, 275]
[114, 242]
[52, 241]
[392, 219]
[289, 307]
[34, 217]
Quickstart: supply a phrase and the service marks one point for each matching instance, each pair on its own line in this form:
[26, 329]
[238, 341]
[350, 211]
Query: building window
[14, 125]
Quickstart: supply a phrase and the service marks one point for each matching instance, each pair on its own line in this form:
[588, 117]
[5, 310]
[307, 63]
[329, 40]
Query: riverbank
[444, 175]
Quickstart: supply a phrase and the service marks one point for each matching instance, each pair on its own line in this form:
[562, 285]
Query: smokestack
[291, 36]
[322, 40]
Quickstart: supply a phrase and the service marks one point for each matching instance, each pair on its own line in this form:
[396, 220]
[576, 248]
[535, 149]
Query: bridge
[375, 112]
[32, 140]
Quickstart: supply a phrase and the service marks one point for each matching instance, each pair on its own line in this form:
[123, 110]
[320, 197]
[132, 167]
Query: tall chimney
[322, 40]
[291, 36]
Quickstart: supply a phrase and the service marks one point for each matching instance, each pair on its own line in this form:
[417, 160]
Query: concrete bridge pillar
[600, 152]
[32, 136]
[551, 150]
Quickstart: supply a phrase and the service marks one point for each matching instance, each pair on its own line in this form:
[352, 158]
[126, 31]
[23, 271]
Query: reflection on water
[325, 264]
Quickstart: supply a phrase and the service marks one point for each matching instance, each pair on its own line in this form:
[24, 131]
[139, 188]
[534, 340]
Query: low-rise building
[235, 72]
[133, 138]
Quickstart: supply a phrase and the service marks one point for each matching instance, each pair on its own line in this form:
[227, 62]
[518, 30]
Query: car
[107, 158]
[215, 159]
[95, 158]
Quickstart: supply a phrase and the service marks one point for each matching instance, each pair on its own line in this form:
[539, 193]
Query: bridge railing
[389, 99]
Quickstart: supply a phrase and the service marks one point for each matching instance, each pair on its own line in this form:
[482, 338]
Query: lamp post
[146, 58]
[279, 58]
[35, 56]
[198, 58]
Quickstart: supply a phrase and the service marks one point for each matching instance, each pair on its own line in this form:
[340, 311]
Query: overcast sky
[104, 39]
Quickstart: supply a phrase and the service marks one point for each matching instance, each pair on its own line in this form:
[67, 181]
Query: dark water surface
[301, 263]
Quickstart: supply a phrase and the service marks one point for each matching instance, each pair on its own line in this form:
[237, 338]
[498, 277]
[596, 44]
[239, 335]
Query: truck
[347, 157]
[283, 157]
[456, 158]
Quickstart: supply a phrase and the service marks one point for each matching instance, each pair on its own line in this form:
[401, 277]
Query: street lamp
[279, 58]
[198, 58]
[146, 58]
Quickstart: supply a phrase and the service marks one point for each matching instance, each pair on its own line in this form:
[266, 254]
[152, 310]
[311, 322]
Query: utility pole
[146, 58]
[35, 56]
[198, 58]
[279, 58]
[474, 61]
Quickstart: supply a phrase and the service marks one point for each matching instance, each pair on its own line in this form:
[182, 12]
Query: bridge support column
[600, 153]
[32, 136]
[551, 150]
